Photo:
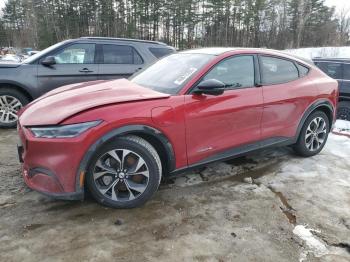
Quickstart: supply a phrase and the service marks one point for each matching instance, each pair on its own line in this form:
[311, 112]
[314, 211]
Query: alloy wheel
[9, 106]
[316, 134]
[121, 175]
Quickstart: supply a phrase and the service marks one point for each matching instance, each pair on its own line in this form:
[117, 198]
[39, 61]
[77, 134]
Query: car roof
[221, 50]
[331, 59]
[121, 39]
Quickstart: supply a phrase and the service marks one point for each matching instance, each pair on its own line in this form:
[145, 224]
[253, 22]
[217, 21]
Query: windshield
[39, 54]
[171, 73]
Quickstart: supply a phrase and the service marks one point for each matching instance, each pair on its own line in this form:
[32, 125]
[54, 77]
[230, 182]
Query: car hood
[8, 64]
[63, 102]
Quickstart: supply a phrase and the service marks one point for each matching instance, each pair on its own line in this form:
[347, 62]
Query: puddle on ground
[30, 227]
[241, 161]
[287, 209]
[64, 206]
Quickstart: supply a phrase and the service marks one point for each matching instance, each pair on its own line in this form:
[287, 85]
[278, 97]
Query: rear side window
[346, 71]
[160, 52]
[277, 71]
[334, 70]
[120, 54]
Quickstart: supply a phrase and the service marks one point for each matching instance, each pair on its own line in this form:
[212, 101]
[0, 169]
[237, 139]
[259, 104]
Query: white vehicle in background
[10, 58]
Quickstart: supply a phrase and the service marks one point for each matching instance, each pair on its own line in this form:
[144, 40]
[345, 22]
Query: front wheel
[11, 101]
[124, 173]
[313, 135]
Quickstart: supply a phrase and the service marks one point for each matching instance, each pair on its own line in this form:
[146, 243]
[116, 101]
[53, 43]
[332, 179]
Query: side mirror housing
[210, 87]
[48, 61]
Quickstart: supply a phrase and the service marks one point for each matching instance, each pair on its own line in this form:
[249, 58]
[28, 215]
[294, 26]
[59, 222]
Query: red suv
[118, 138]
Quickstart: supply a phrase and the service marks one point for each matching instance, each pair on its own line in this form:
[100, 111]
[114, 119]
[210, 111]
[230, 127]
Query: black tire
[344, 110]
[16, 94]
[301, 147]
[139, 147]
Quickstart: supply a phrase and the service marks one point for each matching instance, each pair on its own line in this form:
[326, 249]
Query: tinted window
[160, 52]
[303, 70]
[120, 54]
[236, 71]
[331, 69]
[346, 71]
[76, 54]
[276, 71]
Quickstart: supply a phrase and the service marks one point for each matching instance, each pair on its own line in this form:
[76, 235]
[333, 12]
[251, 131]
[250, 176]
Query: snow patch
[342, 127]
[315, 246]
[313, 52]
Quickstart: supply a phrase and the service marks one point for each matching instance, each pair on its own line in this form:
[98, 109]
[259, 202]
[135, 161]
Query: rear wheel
[11, 101]
[124, 173]
[344, 110]
[313, 135]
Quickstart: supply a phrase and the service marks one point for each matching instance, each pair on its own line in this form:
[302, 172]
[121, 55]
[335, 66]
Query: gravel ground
[268, 206]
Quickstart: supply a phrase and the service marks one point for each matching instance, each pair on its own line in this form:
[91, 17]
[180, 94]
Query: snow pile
[342, 127]
[315, 245]
[313, 52]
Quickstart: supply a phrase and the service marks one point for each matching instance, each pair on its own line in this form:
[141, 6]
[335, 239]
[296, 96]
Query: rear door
[74, 63]
[118, 61]
[344, 88]
[287, 94]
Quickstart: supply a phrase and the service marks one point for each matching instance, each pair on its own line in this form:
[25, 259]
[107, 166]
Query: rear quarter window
[161, 52]
[303, 70]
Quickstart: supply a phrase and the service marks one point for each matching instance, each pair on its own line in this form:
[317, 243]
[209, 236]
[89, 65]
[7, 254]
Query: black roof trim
[331, 59]
[122, 39]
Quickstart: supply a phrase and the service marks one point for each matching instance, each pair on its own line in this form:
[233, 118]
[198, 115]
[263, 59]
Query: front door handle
[85, 70]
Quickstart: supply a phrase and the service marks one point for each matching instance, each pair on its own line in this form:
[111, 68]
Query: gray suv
[72, 61]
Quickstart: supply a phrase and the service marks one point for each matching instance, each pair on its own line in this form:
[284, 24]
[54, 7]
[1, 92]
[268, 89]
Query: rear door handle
[85, 70]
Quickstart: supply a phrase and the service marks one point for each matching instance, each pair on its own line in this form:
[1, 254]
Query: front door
[74, 64]
[215, 124]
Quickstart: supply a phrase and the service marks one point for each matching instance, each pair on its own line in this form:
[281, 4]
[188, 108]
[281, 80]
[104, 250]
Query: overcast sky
[339, 4]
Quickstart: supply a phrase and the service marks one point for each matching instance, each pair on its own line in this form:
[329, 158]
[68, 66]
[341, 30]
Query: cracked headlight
[62, 131]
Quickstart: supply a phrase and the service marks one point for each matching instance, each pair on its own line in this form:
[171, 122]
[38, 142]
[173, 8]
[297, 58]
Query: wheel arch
[18, 87]
[323, 105]
[154, 136]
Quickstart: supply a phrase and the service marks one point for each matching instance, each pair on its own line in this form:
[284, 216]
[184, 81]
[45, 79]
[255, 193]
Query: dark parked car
[72, 61]
[338, 69]
[119, 138]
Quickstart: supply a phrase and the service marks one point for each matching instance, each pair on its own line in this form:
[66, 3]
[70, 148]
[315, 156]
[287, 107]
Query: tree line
[184, 24]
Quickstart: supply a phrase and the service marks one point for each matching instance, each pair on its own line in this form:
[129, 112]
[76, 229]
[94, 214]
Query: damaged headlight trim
[63, 131]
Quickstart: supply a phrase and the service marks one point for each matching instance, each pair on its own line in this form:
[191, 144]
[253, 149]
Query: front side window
[333, 70]
[76, 54]
[277, 70]
[235, 72]
[170, 74]
[120, 54]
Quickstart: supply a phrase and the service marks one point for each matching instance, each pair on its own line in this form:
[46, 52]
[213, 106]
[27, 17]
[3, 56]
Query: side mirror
[48, 61]
[210, 87]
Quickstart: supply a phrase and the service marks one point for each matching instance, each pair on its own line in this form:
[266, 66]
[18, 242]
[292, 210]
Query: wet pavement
[268, 206]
